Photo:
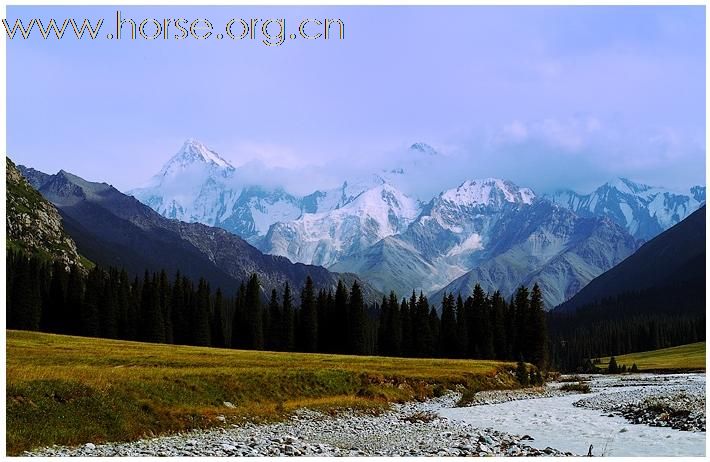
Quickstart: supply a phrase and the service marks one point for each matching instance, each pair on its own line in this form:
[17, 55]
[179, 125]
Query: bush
[467, 397]
[579, 387]
[521, 373]
[613, 367]
[572, 378]
[634, 368]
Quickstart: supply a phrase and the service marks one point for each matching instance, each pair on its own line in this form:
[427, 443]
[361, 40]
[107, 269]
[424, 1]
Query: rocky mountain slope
[673, 256]
[118, 230]
[33, 224]
[489, 231]
[645, 211]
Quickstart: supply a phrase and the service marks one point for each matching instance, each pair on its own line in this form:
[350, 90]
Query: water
[556, 423]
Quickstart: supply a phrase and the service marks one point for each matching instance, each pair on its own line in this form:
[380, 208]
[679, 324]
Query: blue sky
[544, 96]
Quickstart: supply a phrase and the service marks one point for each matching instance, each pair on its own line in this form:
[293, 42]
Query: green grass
[679, 358]
[72, 390]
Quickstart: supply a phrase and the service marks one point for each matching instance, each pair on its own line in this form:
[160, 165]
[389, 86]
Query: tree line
[642, 320]
[107, 303]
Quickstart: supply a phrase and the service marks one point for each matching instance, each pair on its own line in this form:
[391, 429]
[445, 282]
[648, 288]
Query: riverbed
[556, 422]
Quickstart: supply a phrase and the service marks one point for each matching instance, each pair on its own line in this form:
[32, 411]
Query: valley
[238, 403]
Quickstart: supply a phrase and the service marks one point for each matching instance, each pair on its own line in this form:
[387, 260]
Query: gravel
[411, 429]
[679, 404]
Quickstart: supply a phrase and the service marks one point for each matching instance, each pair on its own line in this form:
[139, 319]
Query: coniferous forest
[173, 309]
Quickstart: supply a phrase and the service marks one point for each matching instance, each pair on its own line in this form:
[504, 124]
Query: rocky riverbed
[604, 418]
[658, 401]
[412, 429]
[531, 422]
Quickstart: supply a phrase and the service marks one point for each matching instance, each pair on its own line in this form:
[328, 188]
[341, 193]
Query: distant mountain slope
[548, 245]
[33, 224]
[672, 256]
[645, 211]
[116, 229]
[347, 219]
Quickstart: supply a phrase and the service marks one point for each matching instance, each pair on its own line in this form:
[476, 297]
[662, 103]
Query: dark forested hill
[653, 299]
[113, 229]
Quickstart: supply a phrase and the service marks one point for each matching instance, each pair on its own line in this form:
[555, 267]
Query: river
[555, 422]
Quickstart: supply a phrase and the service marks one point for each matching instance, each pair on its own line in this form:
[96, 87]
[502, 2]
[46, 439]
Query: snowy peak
[645, 211]
[627, 186]
[698, 193]
[194, 153]
[423, 148]
[488, 191]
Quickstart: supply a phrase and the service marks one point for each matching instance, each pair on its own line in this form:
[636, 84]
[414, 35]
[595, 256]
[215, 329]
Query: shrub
[521, 373]
[579, 387]
[613, 367]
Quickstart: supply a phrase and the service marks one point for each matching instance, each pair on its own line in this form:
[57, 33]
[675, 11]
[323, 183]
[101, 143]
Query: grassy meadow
[679, 358]
[72, 390]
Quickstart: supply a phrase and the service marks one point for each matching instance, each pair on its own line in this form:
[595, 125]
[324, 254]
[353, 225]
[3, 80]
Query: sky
[547, 97]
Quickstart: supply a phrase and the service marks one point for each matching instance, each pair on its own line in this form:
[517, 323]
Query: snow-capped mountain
[198, 186]
[645, 211]
[453, 234]
[344, 221]
[488, 230]
[549, 245]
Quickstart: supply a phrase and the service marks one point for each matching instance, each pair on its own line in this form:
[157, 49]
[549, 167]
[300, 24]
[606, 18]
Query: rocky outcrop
[33, 224]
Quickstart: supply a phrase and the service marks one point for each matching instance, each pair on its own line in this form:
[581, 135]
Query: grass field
[681, 358]
[72, 390]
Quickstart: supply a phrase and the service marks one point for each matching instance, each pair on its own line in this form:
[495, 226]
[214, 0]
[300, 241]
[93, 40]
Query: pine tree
[498, 313]
[90, 324]
[273, 338]
[108, 307]
[201, 315]
[613, 367]
[537, 336]
[217, 324]
[288, 321]
[239, 334]
[164, 294]
[323, 320]
[308, 319]
[356, 315]
[340, 319]
[407, 332]
[55, 308]
[26, 300]
[252, 311]
[522, 320]
[449, 329]
[461, 328]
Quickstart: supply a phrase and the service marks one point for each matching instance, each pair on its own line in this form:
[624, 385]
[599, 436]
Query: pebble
[399, 431]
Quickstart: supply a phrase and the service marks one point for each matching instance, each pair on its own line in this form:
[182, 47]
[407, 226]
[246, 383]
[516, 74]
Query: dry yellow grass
[70, 390]
[679, 358]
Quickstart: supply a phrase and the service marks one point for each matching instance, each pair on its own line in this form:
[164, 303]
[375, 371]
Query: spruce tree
[90, 324]
[217, 323]
[449, 329]
[201, 315]
[340, 319]
[288, 321]
[273, 340]
[537, 336]
[357, 321]
[308, 318]
[252, 310]
[461, 328]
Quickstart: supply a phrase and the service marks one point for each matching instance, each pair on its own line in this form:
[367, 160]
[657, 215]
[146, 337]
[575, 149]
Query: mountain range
[113, 229]
[488, 231]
